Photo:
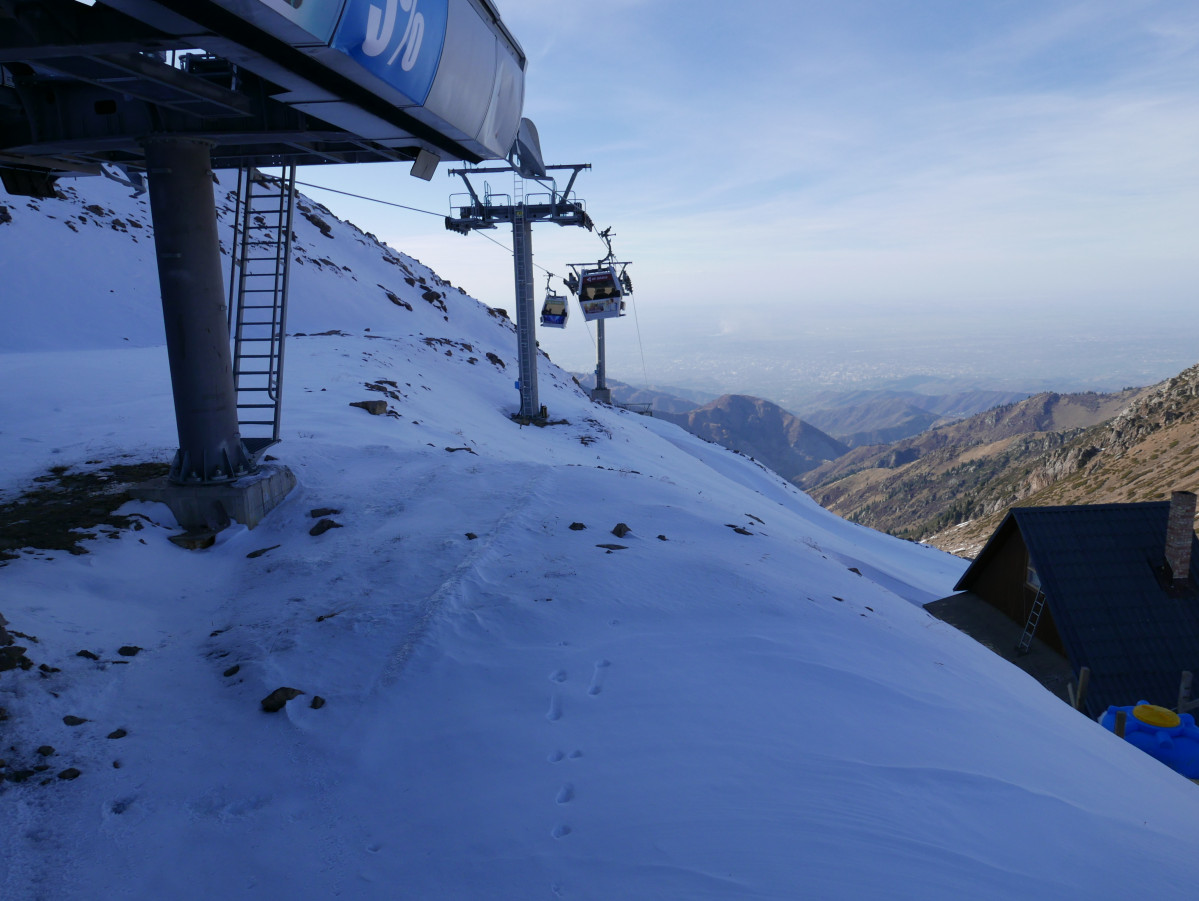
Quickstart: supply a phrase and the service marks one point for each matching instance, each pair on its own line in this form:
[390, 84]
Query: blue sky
[769, 164]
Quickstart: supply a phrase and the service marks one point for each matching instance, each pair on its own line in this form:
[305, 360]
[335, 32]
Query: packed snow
[741, 699]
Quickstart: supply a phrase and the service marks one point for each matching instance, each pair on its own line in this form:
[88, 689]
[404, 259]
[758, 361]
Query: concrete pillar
[194, 311]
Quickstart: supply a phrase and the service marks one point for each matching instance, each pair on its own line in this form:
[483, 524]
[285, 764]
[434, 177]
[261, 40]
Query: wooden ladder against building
[1024, 645]
[258, 283]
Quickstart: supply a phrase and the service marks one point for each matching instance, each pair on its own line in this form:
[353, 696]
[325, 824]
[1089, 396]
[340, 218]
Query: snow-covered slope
[743, 700]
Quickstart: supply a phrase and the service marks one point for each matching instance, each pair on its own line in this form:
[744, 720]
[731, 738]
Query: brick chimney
[1178, 536]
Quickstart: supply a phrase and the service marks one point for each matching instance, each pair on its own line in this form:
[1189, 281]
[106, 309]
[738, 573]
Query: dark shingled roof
[1101, 568]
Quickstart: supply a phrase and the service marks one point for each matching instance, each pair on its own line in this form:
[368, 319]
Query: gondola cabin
[554, 312]
[600, 294]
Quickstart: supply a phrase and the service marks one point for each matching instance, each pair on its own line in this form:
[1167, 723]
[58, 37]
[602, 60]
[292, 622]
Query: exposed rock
[613, 547]
[320, 512]
[46, 751]
[117, 733]
[195, 540]
[324, 526]
[89, 655]
[621, 530]
[471, 536]
[12, 657]
[577, 527]
[317, 702]
[277, 699]
[374, 407]
[69, 773]
[74, 720]
[253, 555]
[663, 538]
[232, 671]
[129, 650]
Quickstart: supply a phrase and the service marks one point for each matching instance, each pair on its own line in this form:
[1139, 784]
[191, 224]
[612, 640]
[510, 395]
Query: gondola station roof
[273, 81]
[1116, 603]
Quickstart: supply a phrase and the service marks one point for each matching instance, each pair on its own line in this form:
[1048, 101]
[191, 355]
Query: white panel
[507, 102]
[463, 87]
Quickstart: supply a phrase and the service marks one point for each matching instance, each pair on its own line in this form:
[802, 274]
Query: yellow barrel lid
[1156, 716]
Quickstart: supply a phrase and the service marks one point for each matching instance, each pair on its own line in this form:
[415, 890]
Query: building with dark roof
[1111, 587]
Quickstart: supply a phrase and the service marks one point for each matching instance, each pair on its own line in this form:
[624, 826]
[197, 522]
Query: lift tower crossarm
[483, 215]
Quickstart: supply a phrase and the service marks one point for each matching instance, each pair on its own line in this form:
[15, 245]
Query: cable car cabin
[600, 294]
[554, 312]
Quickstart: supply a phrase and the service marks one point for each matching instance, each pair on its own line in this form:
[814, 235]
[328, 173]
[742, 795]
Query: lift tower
[166, 91]
[601, 288]
[481, 212]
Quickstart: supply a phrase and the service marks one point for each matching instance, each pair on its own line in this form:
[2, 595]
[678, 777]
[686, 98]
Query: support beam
[194, 311]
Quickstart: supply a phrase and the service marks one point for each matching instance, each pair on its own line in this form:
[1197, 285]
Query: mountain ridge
[1144, 452]
[920, 485]
[762, 430]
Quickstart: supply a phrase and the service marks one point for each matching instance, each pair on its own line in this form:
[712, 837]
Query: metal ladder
[1024, 645]
[258, 283]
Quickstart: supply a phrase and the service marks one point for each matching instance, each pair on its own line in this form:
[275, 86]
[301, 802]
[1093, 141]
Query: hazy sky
[768, 164]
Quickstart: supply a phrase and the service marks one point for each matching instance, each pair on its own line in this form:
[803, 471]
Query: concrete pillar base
[601, 395]
[212, 508]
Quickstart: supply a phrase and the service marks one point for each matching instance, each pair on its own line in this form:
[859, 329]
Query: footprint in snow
[597, 678]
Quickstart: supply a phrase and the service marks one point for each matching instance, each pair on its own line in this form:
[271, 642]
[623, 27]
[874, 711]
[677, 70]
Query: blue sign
[317, 17]
[398, 40]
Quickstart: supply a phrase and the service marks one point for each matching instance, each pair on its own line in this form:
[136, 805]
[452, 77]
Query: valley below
[944, 469]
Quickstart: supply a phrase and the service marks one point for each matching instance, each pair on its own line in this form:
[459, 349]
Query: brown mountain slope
[762, 430]
[883, 417]
[920, 485]
[1145, 452]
